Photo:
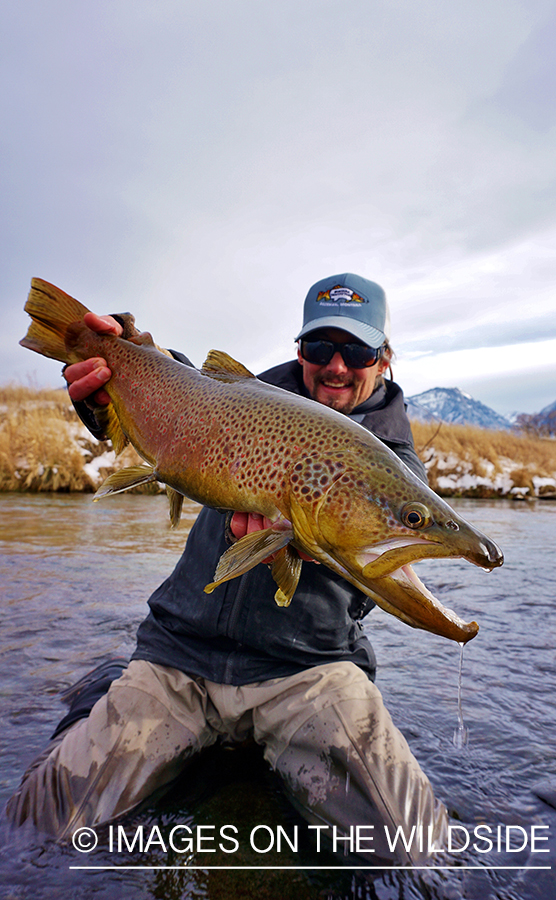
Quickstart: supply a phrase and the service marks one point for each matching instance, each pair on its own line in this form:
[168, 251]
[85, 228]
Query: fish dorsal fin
[220, 365]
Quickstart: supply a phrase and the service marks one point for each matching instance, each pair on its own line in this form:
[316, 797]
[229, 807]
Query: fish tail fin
[52, 312]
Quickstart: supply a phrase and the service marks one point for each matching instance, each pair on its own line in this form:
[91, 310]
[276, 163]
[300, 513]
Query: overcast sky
[201, 163]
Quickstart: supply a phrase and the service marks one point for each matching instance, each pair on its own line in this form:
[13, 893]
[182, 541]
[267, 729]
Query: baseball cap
[351, 303]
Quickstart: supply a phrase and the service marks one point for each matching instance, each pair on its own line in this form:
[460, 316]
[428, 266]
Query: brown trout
[227, 440]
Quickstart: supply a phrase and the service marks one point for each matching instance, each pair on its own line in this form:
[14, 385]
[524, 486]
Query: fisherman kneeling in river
[234, 665]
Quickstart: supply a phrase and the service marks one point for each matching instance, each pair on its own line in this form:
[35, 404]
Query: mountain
[455, 406]
[542, 423]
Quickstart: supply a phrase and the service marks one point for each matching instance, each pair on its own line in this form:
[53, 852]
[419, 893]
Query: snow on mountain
[455, 406]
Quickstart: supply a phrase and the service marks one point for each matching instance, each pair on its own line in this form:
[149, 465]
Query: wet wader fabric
[326, 731]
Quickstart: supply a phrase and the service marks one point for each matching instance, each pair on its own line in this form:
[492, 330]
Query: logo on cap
[340, 295]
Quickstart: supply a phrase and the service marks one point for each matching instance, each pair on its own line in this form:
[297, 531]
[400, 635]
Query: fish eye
[415, 515]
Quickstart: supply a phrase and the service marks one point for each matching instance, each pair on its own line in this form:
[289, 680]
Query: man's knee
[130, 745]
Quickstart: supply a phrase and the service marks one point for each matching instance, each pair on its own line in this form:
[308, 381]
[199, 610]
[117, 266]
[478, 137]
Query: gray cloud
[202, 165]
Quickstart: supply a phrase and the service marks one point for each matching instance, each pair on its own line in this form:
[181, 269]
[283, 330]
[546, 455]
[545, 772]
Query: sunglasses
[355, 356]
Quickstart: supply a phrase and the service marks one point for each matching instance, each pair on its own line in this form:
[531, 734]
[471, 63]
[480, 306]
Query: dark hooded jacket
[238, 634]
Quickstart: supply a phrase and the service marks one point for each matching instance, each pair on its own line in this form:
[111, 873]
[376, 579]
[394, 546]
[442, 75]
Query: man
[299, 680]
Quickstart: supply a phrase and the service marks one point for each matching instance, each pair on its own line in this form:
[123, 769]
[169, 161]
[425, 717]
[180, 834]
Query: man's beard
[340, 404]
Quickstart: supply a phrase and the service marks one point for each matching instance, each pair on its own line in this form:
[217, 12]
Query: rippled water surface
[74, 581]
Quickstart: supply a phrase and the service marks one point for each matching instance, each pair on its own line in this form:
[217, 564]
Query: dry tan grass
[525, 455]
[43, 447]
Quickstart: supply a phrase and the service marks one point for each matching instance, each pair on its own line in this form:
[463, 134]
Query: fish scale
[225, 439]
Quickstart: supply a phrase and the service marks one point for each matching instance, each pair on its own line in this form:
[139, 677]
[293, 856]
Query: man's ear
[299, 356]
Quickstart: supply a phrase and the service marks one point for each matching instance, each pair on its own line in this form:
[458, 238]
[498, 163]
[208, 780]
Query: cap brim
[366, 333]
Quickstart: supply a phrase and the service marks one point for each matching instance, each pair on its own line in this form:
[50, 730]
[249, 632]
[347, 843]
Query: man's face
[335, 384]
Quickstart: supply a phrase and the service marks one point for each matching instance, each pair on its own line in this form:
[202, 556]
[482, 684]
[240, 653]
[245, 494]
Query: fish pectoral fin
[221, 366]
[125, 479]
[109, 422]
[248, 552]
[286, 570]
[176, 503]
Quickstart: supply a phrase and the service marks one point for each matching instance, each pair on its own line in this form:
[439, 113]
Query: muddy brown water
[74, 581]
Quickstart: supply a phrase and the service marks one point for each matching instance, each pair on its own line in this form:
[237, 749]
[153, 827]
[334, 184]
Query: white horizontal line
[186, 868]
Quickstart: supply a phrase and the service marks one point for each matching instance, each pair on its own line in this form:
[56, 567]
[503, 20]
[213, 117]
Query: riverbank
[44, 447]
[463, 461]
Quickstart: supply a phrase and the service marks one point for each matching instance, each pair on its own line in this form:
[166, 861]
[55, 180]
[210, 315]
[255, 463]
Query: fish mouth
[400, 592]
[487, 555]
[384, 558]
[404, 595]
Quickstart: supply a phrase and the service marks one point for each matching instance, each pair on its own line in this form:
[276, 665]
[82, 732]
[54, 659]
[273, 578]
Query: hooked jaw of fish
[400, 592]
[385, 557]
[382, 569]
[405, 596]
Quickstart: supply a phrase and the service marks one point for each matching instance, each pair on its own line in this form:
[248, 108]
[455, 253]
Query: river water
[74, 580]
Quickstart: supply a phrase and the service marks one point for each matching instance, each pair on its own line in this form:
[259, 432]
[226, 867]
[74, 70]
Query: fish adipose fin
[125, 479]
[286, 570]
[52, 312]
[221, 366]
[248, 552]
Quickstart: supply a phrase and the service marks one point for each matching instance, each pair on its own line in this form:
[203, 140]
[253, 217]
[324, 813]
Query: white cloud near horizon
[202, 164]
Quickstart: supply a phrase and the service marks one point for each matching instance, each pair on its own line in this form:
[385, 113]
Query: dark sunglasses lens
[317, 352]
[355, 356]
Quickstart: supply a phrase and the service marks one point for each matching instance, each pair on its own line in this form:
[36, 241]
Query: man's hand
[243, 523]
[86, 378]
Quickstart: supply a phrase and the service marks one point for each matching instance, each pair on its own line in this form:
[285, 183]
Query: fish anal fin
[220, 365]
[109, 422]
[286, 570]
[125, 479]
[248, 552]
[176, 503]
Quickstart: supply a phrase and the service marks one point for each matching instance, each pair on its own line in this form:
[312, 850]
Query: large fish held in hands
[227, 440]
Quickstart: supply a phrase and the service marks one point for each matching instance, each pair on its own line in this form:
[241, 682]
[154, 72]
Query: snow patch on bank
[450, 475]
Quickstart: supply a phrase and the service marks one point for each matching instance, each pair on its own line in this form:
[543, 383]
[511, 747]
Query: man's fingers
[86, 378]
[238, 524]
[102, 324]
[85, 367]
[243, 523]
[257, 522]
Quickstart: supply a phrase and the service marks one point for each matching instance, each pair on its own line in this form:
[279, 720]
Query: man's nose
[337, 364]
